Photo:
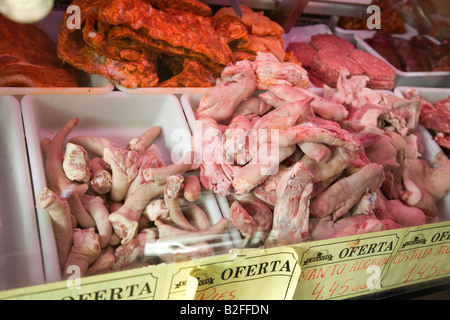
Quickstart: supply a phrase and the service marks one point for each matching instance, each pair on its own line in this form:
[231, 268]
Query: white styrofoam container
[349, 34]
[431, 148]
[20, 253]
[87, 84]
[117, 116]
[413, 79]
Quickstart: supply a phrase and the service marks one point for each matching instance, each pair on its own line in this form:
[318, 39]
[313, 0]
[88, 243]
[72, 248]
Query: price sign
[138, 284]
[424, 254]
[252, 274]
[344, 267]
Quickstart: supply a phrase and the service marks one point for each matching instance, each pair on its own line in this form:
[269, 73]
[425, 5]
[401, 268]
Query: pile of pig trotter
[296, 165]
[293, 164]
[106, 202]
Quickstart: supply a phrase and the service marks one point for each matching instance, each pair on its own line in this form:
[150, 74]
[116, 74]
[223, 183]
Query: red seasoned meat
[327, 67]
[332, 43]
[303, 51]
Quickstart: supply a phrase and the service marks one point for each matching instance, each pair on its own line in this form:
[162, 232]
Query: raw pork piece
[171, 193]
[434, 118]
[425, 185]
[237, 83]
[97, 209]
[252, 106]
[281, 94]
[381, 75]
[338, 199]
[127, 253]
[59, 212]
[156, 209]
[327, 66]
[124, 166]
[76, 163]
[240, 218]
[270, 71]
[85, 250]
[443, 140]
[264, 164]
[104, 263]
[291, 212]
[101, 180]
[251, 215]
[404, 215]
[385, 151]
[207, 143]
[267, 191]
[333, 44]
[235, 144]
[326, 228]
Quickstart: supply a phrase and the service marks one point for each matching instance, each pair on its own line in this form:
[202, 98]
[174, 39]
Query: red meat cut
[327, 66]
[332, 44]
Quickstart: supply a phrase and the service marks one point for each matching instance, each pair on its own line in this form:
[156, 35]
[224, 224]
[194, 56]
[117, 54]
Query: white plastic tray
[117, 116]
[20, 253]
[431, 148]
[413, 79]
[349, 34]
[88, 84]
[160, 90]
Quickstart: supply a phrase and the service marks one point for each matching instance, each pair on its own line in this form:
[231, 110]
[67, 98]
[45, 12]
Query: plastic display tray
[20, 253]
[117, 116]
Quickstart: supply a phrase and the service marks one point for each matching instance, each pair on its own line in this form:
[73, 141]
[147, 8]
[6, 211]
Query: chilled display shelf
[411, 262]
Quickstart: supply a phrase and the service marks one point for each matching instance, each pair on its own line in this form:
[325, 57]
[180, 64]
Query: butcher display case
[284, 158]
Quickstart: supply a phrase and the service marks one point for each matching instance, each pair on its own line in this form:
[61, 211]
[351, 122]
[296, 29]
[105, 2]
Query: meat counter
[39, 127]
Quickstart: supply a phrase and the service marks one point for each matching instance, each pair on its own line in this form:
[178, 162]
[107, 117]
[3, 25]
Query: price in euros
[423, 271]
[336, 289]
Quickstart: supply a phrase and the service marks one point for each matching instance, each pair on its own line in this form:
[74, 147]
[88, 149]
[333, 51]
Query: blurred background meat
[28, 58]
[416, 54]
